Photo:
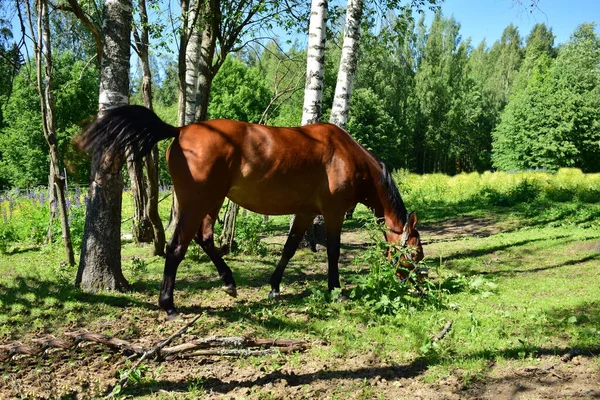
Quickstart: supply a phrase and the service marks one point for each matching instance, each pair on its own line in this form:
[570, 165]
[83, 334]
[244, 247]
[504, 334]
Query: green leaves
[23, 149]
[551, 119]
[238, 92]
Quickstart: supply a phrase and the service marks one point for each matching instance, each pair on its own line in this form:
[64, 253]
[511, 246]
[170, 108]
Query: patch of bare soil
[87, 372]
[593, 245]
[462, 227]
[548, 378]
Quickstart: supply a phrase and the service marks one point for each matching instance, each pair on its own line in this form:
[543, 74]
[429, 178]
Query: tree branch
[94, 29]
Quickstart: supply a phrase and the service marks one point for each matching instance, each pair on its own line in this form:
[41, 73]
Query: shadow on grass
[28, 293]
[529, 212]
[513, 272]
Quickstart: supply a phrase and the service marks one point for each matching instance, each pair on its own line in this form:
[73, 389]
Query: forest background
[425, 99]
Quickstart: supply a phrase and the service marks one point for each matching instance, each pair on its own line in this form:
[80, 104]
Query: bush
[248, 234]
[589, 195]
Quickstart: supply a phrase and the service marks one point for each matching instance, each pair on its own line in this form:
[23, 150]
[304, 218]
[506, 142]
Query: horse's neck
[383, 208]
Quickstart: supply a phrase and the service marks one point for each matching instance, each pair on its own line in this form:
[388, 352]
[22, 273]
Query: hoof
[230, 290]
[342, 298]
[172, 314]
[273, 295]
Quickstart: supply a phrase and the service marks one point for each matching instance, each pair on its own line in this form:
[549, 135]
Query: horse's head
[409, 237]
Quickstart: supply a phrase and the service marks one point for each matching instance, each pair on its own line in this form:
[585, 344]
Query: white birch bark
[313, 90]
[189, 54]
[205, 62]
[192, 57]
[315, 62]
[348, 62]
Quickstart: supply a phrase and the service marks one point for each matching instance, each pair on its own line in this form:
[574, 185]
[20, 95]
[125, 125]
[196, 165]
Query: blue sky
[487, 19]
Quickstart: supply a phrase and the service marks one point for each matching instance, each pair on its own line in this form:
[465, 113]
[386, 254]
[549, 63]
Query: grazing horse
[309, 170]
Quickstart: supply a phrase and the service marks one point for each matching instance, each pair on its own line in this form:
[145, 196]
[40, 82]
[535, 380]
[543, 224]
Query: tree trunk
[192, 58]
[181, 62]
[152, 202]
[227, 239]
[149, 219]
[51, 199]
[141, 226]
[313, 91]
[205, 66]
[100, 262]
[347, 69]
[189, 53]
[47, 104]
[348, 63]
[315, 63]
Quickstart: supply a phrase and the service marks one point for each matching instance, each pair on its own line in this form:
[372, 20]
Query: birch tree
[315, 63]
[348, 63]
[188, 60]
[313, 93]
[100, 262]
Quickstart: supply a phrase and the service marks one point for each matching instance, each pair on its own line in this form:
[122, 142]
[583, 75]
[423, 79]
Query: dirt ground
[88, 373]
[90, 369]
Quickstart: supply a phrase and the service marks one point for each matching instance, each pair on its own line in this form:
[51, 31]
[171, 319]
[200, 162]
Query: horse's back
[273, 170]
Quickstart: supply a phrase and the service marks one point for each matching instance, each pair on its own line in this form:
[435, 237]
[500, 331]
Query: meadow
[513, 261]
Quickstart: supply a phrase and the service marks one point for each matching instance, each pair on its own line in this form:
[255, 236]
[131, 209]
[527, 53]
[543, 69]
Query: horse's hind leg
[300, 225]
[205, 238]
[176, 249]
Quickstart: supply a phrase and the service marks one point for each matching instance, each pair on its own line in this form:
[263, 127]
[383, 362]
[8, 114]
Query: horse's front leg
[333, 227]
[299, 226]
[205, 238]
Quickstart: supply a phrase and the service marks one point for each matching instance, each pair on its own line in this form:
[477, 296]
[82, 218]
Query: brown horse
[309, 170]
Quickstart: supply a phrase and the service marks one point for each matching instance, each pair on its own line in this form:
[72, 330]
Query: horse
[308, 170]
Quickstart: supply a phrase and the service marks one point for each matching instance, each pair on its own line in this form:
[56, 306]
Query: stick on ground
[444, 331]
[155, 350]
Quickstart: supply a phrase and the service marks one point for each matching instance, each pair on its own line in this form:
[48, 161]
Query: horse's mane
[392, 193]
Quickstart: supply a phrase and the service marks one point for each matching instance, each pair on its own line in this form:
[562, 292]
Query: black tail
[126, 129]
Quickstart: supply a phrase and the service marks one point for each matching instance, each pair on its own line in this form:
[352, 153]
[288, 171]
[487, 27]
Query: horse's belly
[275, 200]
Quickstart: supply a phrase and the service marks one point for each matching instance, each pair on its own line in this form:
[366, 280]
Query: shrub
[249, 228]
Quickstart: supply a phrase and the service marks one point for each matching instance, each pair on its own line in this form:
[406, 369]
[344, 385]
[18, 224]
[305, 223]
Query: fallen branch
[444, 331]
[210, 342]
[569, 356]
[233, 341]
[556, 375]
[153, 351]
[243, 352]
[164, 197]
[119, 344]
[547, 370]
[160, 200]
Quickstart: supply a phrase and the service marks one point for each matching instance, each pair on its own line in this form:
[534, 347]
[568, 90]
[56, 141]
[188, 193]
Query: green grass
[530, 288]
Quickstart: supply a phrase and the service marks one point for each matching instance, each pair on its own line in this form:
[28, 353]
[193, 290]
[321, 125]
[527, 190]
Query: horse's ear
[412, 220]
